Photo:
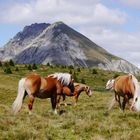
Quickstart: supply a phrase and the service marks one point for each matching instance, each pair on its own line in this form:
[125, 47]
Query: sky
[112, 24]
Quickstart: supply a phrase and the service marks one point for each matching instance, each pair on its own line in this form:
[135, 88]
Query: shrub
[70, 67]
[29, 67]
[48, 64]
[6, 64]
[7, 70]
[11, 63]
[94, 71]
[34, 66]
[78, 70]
[0, 64]
[16, 69]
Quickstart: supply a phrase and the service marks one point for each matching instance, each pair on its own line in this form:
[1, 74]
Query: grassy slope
[86, 121]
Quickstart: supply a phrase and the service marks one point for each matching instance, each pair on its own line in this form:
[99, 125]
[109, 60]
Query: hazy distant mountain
[57, 43]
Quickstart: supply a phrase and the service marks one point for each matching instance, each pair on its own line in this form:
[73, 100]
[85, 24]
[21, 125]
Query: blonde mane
[64, 78]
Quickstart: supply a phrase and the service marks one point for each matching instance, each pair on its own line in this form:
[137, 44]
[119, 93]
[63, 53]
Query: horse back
[32, 83]
[124, 84]
[51, 83]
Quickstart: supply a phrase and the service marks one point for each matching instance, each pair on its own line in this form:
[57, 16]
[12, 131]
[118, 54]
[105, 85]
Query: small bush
[48, 64]
[94, 71]
[29, 67]
[34, 66]
[11, 63]
[16, 69]
[78, 70]
[70, 67]
[0, 64]
[7, 70]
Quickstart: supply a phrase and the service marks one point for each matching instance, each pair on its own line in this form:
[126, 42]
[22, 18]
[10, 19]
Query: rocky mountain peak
[58, 43]
[31, 31]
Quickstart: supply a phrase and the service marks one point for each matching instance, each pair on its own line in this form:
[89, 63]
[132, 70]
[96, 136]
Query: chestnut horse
[36, 86]
[125, 86]
[78, 89]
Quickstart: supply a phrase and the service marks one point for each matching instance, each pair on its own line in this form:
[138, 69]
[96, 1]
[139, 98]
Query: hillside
[57, 43]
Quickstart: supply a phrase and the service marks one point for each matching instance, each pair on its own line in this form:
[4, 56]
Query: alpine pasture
[89, 120]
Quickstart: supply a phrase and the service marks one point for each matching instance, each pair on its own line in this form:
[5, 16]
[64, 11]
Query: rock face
[120, 65]
[57, 43]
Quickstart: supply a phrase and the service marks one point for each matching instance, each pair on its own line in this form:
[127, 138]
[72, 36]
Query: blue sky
[114, 25]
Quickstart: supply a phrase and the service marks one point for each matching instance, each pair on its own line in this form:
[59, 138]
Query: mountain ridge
[58, 43]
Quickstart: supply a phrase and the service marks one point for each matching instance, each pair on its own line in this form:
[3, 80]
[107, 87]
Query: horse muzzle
[133, 108]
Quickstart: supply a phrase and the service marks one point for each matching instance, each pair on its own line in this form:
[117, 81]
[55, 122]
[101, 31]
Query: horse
[37, 86]
[125, 86]
[78, 89]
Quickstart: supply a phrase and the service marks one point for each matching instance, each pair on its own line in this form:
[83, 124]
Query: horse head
[136, 99]
[88, 91]
[110, 84]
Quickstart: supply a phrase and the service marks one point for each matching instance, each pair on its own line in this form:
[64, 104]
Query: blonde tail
[18, 101]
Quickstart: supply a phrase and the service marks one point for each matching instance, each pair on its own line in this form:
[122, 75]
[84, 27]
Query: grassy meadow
[88, 120]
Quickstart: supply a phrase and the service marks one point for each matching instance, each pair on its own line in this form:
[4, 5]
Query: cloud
[72, 12]
[131, 3]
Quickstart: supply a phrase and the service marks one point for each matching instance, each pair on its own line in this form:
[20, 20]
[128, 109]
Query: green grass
[86, 121]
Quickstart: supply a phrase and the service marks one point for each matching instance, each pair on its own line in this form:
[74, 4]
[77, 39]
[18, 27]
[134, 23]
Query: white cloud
[108, 16]
[72, 12]
[132, 3]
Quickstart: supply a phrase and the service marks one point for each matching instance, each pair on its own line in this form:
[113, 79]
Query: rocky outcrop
[120, 66]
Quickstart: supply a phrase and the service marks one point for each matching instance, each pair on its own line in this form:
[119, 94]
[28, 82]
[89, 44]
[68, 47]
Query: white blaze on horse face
[110, 84]
[136, 99]
[90, 92]
[136, 104]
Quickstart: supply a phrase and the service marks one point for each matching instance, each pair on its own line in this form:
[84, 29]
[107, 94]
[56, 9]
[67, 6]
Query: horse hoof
[55, 112]
[30, 113]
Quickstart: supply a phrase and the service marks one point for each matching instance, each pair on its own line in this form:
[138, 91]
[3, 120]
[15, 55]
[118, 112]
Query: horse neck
[80, 89]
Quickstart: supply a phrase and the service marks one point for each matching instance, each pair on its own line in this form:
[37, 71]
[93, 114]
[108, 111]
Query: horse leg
[119, 101]
[58, 93]
[76, 100]
[64, 98]
[58, 100]
[116, 96]
[25, 94]
[30, 104]
[125, 99]
[53, 102]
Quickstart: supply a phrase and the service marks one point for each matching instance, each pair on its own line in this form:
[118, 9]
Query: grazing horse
[78, 88]
[125, 86]
[36, 86]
